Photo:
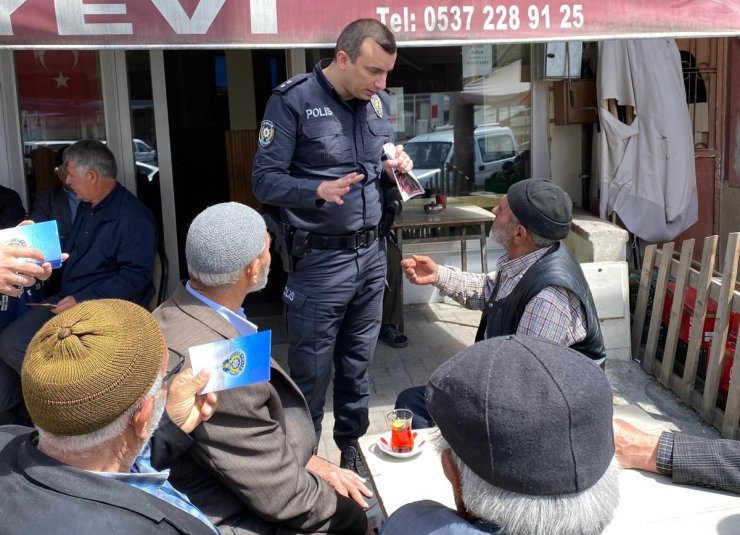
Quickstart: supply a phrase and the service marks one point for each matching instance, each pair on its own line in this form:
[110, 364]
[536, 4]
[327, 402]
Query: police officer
[319, 160]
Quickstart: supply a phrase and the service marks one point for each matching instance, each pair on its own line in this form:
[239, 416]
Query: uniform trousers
[333, 303]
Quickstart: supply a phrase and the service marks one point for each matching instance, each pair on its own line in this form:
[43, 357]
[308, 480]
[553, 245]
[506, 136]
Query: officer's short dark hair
[356, 32]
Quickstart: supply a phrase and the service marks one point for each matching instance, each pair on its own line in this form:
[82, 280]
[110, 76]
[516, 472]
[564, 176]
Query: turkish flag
[58, 81]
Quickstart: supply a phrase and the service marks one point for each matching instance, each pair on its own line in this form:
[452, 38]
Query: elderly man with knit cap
[537, 289]
[253, 467]
[527, 444]
[94, 385]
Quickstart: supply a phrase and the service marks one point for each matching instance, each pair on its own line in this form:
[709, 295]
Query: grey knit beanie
[224, 238]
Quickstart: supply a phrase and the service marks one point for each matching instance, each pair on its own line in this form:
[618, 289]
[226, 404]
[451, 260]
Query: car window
[496, 148]
[428, 154]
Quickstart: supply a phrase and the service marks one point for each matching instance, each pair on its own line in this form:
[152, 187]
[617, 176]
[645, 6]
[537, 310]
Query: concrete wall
[565, 159]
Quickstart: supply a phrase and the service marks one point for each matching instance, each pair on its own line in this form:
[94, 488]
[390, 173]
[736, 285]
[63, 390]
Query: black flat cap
[526, 415]
[542, 207]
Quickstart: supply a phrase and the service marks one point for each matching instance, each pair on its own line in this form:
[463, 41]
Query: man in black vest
[537, 289]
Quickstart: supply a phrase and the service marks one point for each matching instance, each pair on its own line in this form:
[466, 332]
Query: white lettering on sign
[491, 18]
[71, 18]
[176, 17]
[263, 15]
[319, 112]
[7, 7]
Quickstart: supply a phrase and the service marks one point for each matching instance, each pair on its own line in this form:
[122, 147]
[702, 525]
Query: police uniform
[333, 297]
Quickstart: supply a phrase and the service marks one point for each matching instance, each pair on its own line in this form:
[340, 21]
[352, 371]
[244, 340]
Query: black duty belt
[358, 240]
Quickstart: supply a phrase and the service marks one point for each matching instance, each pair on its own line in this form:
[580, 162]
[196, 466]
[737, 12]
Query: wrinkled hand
[402, 161]
[345, 482]
[16, 272]
[420, 269]
[64, 304]
[185, 407]
[334, 190]
[635, 449]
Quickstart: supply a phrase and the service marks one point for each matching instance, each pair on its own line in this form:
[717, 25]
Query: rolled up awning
[291, 23]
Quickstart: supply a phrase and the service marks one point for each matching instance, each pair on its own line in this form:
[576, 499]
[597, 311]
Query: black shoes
[351, 460]
[392, 336]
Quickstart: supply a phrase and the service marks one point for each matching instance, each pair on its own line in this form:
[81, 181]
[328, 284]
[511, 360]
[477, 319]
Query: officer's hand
[402, 161]
[334, 190]
[420, 269]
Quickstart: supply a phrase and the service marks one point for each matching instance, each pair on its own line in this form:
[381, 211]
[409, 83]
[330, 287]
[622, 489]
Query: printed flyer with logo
[236, 362]
[42, 236]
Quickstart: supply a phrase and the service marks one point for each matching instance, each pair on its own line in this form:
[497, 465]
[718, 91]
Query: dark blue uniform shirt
[310, 134]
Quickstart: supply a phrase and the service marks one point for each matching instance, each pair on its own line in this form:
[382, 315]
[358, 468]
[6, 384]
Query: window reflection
[60, 102]
[474, 133]
[144, 133]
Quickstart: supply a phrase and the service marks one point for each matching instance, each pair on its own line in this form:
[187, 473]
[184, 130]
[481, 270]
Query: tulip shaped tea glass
[399, 423]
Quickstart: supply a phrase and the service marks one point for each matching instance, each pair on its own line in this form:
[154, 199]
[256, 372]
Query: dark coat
[246, 468]
[41, 495]
[52, 204]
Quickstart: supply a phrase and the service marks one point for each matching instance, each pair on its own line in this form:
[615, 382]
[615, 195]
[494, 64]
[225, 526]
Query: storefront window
[60, 103]
[146, 158]
[463, 114]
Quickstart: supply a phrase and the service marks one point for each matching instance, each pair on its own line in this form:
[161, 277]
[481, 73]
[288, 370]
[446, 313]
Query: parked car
[143, 152]
[433, 152]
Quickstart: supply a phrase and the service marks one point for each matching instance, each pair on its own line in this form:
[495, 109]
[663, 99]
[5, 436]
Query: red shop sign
[278, 23]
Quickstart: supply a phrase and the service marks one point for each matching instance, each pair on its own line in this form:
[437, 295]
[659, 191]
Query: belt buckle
[361, 239]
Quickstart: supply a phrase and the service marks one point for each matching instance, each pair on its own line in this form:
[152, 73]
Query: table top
[454, 214]
[649, 503]
[401, 481]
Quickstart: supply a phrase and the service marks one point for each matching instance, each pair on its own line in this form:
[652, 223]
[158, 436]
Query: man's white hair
[584, 513]
[214, 280]
[81, 443]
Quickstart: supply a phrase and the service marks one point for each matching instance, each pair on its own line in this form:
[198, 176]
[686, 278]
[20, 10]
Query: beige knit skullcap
[89, 365]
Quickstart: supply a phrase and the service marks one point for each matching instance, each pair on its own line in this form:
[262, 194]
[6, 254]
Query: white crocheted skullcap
[224, 238]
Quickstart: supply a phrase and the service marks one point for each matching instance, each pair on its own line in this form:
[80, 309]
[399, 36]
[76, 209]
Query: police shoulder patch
[267, 133]
[289, 84]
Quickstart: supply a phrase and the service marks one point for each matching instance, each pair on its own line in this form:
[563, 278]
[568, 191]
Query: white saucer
[384, 443]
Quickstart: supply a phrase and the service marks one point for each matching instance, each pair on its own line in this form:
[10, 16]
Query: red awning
[290, 23]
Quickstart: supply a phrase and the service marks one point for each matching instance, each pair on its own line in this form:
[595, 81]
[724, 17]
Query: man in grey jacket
[253, 467]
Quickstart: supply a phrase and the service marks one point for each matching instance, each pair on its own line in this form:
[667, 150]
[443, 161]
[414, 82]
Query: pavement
[439, 330]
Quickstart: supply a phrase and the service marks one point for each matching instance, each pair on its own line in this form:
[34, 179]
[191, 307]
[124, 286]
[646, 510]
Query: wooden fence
[697, 377]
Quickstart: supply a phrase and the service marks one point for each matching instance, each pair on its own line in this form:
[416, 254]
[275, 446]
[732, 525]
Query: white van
[494, 146]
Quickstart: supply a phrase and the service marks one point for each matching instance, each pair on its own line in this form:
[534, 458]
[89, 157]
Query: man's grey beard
[262, 282]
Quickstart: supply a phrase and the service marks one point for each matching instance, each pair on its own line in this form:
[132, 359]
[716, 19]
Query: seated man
[94, 383]
[58, 203]
[16, 274]
[252, 468]
[111, 247]
[11, 208]
[538, 288]
[521, 459]
[686, 459]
